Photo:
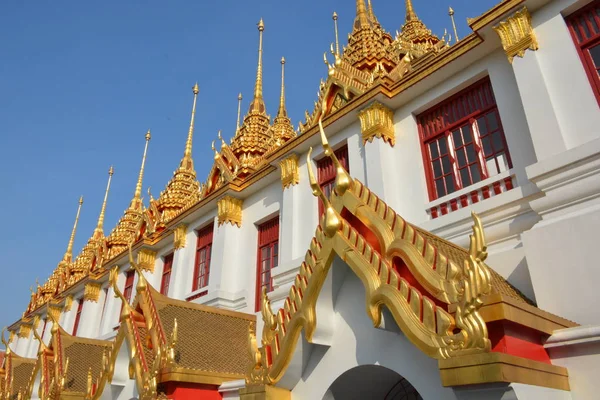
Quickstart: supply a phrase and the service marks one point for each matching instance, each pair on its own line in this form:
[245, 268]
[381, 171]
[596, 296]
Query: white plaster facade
[542, 234]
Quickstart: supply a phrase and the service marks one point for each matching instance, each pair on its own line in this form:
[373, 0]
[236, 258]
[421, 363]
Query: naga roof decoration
[434, 289]
[126, 231]
[15, 373]
[94, 251]
[68, 365]
[371, 55]
[164, 339]
[183, 190]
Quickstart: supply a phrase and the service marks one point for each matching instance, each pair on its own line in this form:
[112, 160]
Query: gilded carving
[229, 210]
[36, 321]
[11, 336]
[68, 302]
[54, 311]
[92, 291]
[24, 331]
[179, 236]
[146, 259]
[290, 175]
[516, 34]
[377, 121]
[431, 328]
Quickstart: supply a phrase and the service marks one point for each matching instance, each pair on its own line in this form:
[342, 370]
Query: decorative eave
[163, 338]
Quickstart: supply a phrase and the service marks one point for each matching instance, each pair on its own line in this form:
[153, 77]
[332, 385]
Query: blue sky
[81, 82]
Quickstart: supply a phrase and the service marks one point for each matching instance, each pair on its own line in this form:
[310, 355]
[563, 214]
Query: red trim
[189, 391]
[510, 338]
[166, 275]
[197, 295]
[267, 256]
[43, 330]
[203, 256]
[129, 278]
[77, 317]
[586, 35]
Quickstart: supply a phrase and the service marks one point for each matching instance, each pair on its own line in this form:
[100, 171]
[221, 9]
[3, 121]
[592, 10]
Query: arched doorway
[372, 382]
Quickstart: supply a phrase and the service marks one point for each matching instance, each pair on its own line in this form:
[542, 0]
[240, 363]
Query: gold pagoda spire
[410, 12]
[186, 161]
[282, 111]
[99, 231]
[372, 16]
[137, 196]
[362, 17]
[237, 126]
[258, 104]
[69, 253]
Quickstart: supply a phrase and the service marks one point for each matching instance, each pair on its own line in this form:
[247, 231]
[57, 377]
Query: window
[166, 275]
[77, 317]
[203, 250]
[585, 30]
[326, 172]
[463, 140]
[129, 285]
[268, 252]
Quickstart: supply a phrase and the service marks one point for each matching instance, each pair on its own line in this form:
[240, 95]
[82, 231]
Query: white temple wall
[91, 316]
[563, 73]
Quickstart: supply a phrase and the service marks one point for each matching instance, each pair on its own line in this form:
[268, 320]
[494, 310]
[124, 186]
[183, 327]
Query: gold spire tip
[261, 25]
[111, 171]
[240, 96]
[196, 89]
[80, 200]
[148, 136]
[335, 16]
[282, 60]
[450, 11]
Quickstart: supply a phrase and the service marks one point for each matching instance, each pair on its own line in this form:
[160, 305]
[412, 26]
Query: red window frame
[267, 256]
[326, 172]
[77, 317]
[461, 138]
[166, 274]
[128, 289]
[584, 25]
[203, 255]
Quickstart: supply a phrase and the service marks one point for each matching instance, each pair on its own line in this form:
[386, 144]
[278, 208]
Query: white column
[226, 261]
[23, 345]
[541, 116]
[91, 316]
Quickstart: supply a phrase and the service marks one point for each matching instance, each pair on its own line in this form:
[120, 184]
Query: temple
[425, 232]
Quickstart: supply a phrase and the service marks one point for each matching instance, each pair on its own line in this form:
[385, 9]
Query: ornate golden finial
[410, 12]
[362, 18]
[258, 104]
[335, 27]
[282, 111]
[451, 14]
[372, 16]
[99, 231]
[137, 196]
[237, 126]
[186, 161]
[69, 253]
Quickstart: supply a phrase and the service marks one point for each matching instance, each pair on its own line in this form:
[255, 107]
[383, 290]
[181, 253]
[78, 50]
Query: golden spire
[258, 104]
[451, 14]
[237, 126]
[99, 231]
[186, 161]
[362, 18]
[137, 196]
[335, 27]
[69, 253]
[282, 111]
[410, 11]
[372, 16]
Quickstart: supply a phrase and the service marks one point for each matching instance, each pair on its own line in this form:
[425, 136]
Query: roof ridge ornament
[99, 231]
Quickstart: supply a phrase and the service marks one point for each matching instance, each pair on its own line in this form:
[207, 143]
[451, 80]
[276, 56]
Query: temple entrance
[372, 382]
